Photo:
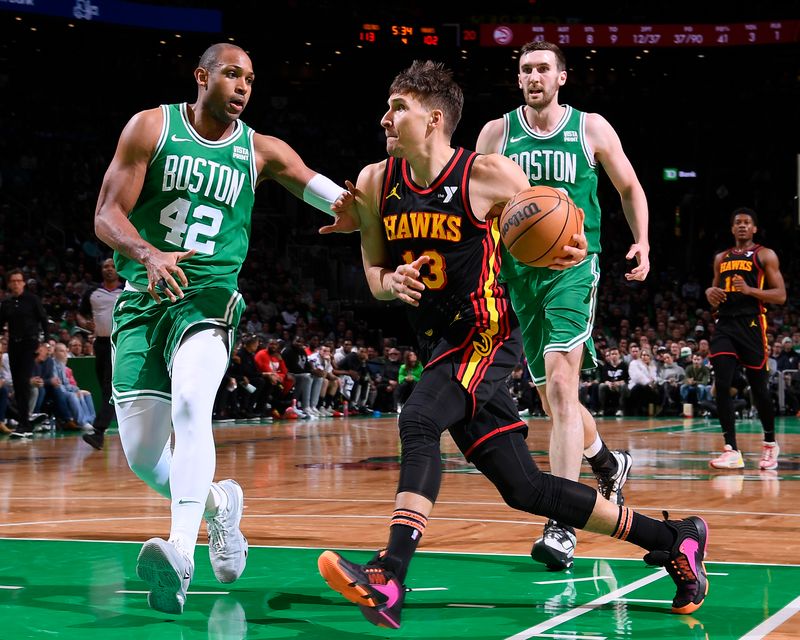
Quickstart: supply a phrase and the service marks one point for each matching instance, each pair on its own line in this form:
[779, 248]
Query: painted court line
[644, 601]
[592, 579]
[9, 587]
[774, 621]
[586, 608]
[191, 593]
[571, 636]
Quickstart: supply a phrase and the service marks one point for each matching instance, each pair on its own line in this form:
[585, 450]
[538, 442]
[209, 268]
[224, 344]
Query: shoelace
[217, 533]
[682, 568]
[376, 575]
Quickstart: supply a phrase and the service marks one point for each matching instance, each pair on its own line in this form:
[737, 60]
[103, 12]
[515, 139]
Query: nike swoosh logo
[511, 140]
[182, 501]
[175, 138]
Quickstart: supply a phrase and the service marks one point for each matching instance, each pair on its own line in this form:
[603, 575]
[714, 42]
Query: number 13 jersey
[461, 278]
[197, 194]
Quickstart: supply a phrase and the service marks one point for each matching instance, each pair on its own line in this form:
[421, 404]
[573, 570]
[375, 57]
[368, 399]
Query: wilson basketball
[536, 224]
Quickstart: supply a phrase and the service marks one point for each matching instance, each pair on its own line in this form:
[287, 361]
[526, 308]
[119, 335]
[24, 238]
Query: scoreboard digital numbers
[407, 35]
[638, 35]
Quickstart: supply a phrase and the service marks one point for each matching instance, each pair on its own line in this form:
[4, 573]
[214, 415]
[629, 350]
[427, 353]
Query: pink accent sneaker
[684, 562]
[769, 456]
[730, 458]
[377, 592]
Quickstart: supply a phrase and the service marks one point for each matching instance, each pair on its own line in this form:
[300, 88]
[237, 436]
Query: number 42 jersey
[197, 194]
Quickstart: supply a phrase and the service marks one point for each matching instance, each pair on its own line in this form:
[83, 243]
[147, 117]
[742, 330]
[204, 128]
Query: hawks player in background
[175, 206]
[746, 277]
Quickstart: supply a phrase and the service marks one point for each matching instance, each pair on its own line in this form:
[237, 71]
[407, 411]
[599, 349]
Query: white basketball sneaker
[167, 571]
[227, 547]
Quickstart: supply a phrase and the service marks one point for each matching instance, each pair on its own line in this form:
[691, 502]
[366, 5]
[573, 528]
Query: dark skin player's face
[225, 87]
[743, 228]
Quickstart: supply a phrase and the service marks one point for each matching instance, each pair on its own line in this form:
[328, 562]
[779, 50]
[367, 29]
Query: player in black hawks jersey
[746, 277]
[429, 239]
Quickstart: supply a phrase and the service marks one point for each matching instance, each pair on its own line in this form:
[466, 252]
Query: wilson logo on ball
[528, 211]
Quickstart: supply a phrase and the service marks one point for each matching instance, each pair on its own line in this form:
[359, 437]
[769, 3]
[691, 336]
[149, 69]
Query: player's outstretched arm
[276, 160]
[608, 151]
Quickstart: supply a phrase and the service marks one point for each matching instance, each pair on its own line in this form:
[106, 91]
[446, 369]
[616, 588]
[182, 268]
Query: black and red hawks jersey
[745, 263]
[461, 279]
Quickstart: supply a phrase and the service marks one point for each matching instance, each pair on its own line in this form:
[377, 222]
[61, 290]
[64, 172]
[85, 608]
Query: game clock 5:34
[408, 35]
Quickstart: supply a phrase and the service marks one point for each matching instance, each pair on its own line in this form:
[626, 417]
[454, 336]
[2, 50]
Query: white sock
[593, 449]
[197, 370]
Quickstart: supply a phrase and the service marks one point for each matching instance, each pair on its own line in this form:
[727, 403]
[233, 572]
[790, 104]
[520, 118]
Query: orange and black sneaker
[377, 592]
[684, 562]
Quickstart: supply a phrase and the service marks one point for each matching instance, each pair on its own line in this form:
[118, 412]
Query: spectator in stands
[645, 391]
[613, 387]
[27, 322]
[386, 382]
[78, 401]
[670, 377]
[696, 386]
[354, 367]
[589, 381]
[684, 357]
[789, 359]
[633, 354]
[75, 347]
[703, 349]
[347, 376]
[322, 379]
[522, 390]
[6, 387]
[251, 386]
[298, 366]
[273, 370]
[408, 376]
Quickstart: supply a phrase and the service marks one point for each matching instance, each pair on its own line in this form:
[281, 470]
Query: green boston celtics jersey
[560, 159]
[197, 194]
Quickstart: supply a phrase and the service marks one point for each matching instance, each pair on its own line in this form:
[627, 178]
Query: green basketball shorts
[556, 312]
[146, 335]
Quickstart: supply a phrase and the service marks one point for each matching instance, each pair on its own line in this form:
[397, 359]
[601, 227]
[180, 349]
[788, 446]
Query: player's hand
[405, 282]
[642, 254]
[345, 217]
[574, 254]
[738, 284]
[715, 296]
[162, 269]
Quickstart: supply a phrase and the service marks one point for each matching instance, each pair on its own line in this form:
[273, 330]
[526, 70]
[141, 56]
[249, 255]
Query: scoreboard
[642, 35]
[415, 35]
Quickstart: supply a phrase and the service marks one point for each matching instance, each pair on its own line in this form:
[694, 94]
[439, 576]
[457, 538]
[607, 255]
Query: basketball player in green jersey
[561, 147]
[175, 206]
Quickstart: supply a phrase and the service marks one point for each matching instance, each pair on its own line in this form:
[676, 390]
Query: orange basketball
[536, 224]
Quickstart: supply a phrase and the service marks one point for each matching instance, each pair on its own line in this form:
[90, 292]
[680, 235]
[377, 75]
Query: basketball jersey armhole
[465, 180]
[162, 138]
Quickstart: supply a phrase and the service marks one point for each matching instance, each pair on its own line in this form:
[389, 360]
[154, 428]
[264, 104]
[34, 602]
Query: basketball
[536, 223]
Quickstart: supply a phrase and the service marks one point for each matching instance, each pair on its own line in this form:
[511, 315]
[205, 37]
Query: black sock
[405, 531]
[650, 534]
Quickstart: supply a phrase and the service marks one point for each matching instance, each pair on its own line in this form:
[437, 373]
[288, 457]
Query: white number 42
[207, 223]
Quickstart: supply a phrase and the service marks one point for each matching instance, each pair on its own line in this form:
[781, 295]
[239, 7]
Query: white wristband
[321, 192]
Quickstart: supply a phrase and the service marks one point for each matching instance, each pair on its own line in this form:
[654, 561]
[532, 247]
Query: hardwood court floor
[330, 483]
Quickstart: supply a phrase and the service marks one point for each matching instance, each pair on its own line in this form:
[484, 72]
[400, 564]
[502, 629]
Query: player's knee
[418, 431]
[524, 496]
